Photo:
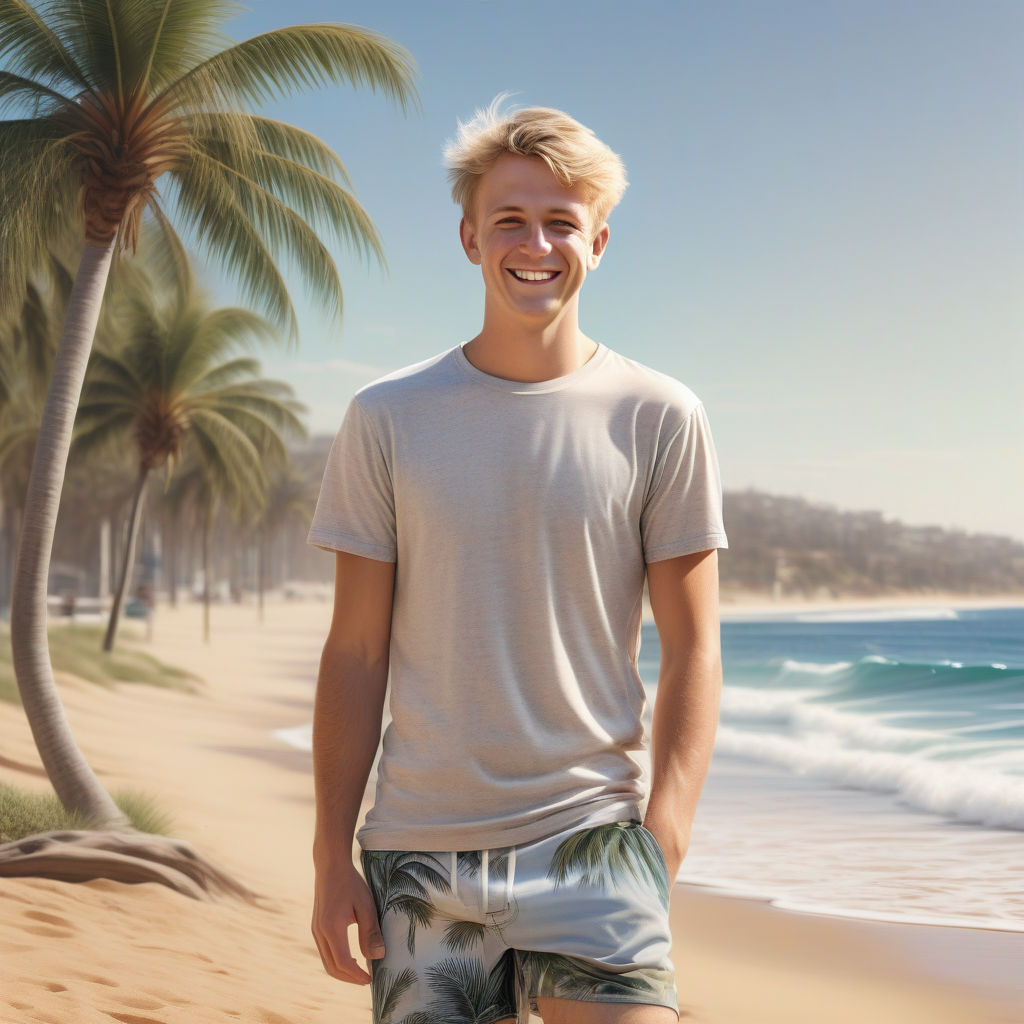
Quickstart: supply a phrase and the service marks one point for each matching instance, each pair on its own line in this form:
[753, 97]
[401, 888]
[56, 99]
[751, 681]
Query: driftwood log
[123, 856]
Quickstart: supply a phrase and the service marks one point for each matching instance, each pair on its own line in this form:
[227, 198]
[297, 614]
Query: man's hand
[342, 898]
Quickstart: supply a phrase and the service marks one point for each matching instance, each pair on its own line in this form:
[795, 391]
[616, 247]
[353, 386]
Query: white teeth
[534, 275]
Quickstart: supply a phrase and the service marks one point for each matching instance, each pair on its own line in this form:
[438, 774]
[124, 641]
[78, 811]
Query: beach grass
[24, 813]
[77, 650]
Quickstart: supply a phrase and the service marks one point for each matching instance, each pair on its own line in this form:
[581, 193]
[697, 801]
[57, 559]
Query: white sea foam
[961, 792]
[815, 668]
[790, 707]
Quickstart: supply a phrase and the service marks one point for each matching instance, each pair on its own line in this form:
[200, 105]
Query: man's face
[533, 238]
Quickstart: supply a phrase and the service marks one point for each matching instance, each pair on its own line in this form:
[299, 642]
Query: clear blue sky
[822, 235]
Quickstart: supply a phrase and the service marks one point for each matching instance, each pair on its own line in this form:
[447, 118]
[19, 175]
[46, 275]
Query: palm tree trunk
[261, 539]
[207, 518]
[128, 561]
[10, 540]
[73, 780]
[171, 560]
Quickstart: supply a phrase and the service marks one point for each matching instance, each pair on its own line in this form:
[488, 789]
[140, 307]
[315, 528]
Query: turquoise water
[869, 764]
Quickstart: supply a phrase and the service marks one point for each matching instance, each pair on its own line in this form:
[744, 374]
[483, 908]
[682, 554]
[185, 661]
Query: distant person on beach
[494, 512]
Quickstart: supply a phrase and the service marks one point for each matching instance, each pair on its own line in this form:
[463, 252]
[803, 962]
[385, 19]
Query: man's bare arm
[347, 716]
[684, 600]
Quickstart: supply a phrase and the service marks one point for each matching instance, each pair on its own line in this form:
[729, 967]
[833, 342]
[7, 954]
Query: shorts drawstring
[510, 874]
[454, 872]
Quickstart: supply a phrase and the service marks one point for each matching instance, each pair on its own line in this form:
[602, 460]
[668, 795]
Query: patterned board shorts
[479, 935]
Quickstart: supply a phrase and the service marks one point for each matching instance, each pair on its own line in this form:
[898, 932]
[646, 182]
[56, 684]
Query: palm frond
[233, 325]
[220, 223]
[33, 48]
[225, 374]
[263, 414]
[224, 473]
[110, 369]
[85, 29]
[16, 90]
[180, 33]
[162, 249]
[320, 200]
[274, 64]
[284, 229]
[287, 140]
[229, 449]
[38, 197]
[15, 437]
[98, 429]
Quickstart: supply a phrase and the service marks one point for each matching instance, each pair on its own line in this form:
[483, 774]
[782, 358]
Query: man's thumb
[371, 942]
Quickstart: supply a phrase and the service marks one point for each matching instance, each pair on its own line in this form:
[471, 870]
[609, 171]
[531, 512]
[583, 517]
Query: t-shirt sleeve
[355, 511]
[683, 509]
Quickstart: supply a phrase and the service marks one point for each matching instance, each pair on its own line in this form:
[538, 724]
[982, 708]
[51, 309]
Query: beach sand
[103, 951]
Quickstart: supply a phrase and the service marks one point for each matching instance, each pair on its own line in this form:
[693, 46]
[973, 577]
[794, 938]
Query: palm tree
[113, 96]
[291, 495]
[172, 381]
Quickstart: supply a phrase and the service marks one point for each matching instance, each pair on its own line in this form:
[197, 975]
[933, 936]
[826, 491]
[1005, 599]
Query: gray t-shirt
[520, 516]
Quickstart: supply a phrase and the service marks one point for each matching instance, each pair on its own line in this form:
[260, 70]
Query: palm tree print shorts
[475, 937]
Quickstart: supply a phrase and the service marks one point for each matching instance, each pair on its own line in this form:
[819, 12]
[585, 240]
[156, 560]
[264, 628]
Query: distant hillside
[792, 547]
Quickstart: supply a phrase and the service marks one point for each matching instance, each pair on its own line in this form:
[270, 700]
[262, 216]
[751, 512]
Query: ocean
[867, 764]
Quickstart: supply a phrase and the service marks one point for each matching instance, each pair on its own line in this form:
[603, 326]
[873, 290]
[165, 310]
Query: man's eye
[566, 224]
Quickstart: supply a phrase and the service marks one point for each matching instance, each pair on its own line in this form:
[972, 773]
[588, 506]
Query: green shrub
[24, 813]
[77, 650]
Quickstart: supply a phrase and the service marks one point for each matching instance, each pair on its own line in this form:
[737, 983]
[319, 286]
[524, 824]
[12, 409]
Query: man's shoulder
[650, 386]
[407, 382]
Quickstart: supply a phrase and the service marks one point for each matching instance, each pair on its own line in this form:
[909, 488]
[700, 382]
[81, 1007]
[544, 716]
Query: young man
[494, 511]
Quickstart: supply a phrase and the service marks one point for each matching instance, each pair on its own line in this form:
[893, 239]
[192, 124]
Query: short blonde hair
[572, 151]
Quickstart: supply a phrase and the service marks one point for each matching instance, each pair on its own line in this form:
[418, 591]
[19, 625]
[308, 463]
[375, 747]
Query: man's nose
[535, 241]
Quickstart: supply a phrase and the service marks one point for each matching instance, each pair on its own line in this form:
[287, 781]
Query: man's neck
[516, 351]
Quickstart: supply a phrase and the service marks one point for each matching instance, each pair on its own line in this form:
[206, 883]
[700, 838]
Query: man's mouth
[533, 275]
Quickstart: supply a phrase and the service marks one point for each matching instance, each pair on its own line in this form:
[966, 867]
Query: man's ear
[597, 247]
[468, 236]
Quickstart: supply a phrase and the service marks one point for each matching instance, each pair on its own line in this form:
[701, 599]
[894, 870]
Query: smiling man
[494, 512]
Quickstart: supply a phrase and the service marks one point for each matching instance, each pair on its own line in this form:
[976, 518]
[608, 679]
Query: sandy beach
[104, 951]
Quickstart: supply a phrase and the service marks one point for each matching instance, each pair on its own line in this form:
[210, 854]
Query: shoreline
[95, 950]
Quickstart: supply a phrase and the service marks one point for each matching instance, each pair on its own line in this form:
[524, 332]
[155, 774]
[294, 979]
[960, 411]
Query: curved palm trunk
[128, 561]
[73, 780]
